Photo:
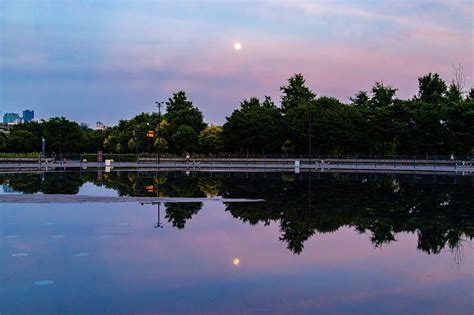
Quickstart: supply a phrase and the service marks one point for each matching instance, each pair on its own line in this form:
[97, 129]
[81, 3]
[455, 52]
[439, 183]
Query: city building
[99, 125]
[28, 115]
[11, 118]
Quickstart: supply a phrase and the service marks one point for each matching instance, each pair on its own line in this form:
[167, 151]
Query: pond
[320, 243]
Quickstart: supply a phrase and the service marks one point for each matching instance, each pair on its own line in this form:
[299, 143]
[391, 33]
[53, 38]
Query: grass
[19, 155]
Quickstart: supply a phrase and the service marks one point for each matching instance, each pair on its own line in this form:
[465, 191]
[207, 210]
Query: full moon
[237, 46]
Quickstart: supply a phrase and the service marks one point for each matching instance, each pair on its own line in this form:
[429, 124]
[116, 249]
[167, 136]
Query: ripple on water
[44, 282]
[81, 254]
[19, 254]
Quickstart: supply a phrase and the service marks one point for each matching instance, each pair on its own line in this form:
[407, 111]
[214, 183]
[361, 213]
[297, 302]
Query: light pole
[136, 142]
[43, 147]
[147, 140]
[310, 133]
[159, 104]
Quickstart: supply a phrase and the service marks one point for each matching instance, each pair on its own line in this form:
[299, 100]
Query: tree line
[439, 120]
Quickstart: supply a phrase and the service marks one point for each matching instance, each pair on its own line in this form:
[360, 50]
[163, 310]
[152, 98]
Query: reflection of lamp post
[158, 224]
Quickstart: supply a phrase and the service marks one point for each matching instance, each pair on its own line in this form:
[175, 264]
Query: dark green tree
[22, 141]
[360, 99]
[63, 135]
[3, 142]
[295, 92]
[382, 96]
[253, 128]
[431, 89]
[459, 123]
[185, 139]
[453, 95]
[185, 122]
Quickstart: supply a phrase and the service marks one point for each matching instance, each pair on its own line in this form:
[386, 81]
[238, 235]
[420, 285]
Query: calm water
[319, 244]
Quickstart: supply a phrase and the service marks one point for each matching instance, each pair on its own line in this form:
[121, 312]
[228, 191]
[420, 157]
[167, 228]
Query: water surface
[320, 243]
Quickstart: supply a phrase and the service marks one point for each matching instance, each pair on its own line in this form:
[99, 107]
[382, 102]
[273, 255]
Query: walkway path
[347, 165]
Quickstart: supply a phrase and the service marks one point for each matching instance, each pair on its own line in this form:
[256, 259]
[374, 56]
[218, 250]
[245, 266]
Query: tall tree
[453, 94]
[253, 127]
[382, 95]
[24, 141]
[431, 89]
[295, 92]
[3, 142]
[185, 123]
[210, 139]
[360, 99]
[459, 122]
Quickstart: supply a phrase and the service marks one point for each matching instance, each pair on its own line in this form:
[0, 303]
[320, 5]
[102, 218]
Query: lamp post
[310, 133]
[43, 147]
[159, 104]
[136, 142]
[147, 140]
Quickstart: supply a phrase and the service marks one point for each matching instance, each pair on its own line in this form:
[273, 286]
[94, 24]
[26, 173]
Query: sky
[109, 60]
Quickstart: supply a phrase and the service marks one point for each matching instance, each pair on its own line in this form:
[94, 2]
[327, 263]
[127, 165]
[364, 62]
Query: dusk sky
[109, 60]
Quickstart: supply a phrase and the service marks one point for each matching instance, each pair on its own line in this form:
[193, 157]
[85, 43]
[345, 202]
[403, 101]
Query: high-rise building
[28, 115]
[11, 118]
[100, 126]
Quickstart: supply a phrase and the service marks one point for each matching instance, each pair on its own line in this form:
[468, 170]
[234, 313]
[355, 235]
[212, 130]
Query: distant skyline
[108, 60]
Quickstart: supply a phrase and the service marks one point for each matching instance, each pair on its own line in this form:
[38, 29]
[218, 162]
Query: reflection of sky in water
[111, 260]
[86, 189]
[89, 189]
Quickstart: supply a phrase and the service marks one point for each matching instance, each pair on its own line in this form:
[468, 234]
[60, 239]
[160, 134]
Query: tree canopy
[439, 120]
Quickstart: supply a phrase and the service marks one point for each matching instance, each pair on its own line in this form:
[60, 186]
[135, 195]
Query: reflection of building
[99, 125]
[4, 128]
[28, 115]
[11, 118]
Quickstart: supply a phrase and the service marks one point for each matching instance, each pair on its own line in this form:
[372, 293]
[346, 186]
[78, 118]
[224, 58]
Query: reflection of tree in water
[178, 213]
[440, 214]
[438, 211]
[211, 187]
[49, 183]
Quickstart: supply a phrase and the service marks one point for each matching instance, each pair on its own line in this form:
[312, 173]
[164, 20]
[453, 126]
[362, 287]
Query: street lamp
[159, 104]
[43, 147]
[310, 133]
